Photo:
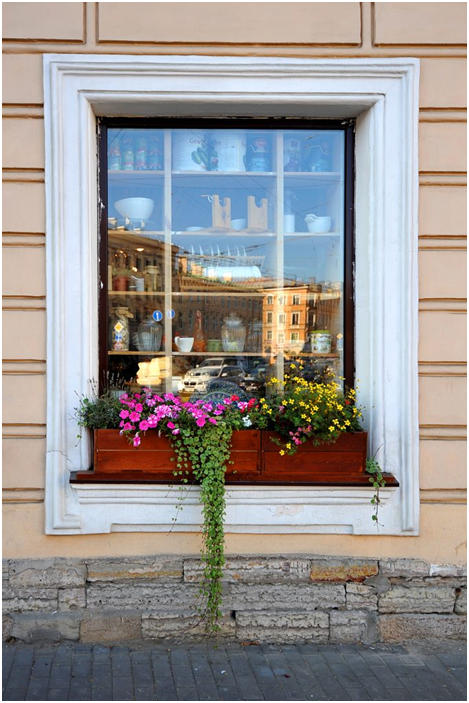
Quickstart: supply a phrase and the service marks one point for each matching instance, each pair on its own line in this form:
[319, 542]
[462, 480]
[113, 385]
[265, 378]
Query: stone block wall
[267, 599]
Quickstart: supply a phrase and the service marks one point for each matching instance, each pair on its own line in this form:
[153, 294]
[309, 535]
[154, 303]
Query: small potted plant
[120, 278]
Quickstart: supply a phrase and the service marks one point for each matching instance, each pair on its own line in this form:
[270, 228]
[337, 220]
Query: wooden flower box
[256, 459]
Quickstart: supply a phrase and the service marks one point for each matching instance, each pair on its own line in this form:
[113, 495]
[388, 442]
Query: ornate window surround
[382, 94]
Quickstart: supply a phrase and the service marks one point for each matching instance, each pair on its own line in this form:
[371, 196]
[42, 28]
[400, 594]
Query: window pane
[225, 257]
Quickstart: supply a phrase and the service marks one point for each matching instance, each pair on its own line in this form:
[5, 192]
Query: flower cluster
[301, 410]
[169, 414]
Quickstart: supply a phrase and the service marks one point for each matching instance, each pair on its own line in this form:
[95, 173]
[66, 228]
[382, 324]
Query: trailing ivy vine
[208, 452]
[378, 481]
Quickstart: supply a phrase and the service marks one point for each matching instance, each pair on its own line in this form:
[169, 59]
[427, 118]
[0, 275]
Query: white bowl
[238, 224]
[135, 208]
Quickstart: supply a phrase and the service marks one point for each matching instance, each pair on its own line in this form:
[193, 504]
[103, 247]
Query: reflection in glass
[225, 257]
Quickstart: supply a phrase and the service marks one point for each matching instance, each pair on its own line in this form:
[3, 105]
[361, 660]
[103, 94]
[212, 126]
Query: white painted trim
[383, 95]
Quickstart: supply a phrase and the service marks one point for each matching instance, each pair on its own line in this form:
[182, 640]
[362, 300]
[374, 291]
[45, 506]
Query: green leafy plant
[378, 481]
[98, 412]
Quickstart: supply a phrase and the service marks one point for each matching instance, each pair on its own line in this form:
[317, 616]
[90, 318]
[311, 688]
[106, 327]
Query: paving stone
[283, 597]
[254, 569]
[101, 694]
[71, 598]
[286, 626]
[353, 626]
[58, 694]
[165, 689]
[42, 667]
[60, 675]
[144, 693]
[51, 627]
[404, 628]
[340, 570]
[417, 599]
[359, 596]
[81, 665]
[37, 689]
[460, 607]
[80, 688]
[161, 569]
[122, 688]
[47, 573]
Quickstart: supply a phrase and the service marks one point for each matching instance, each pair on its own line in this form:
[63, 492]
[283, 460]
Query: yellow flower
[331, 428]
[288, 445]
[282, 452]
[347, 422]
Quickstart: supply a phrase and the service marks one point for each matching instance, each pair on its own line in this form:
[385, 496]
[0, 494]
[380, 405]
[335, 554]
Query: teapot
[318, 224]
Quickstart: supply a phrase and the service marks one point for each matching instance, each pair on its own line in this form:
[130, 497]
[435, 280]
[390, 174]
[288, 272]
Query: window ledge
[254, 509]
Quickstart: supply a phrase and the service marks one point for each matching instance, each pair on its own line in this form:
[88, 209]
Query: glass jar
[148, 336]
[233, 334]
[128, 154]
[119, 337]
[255, 336]
[155, 154]
[141, 155]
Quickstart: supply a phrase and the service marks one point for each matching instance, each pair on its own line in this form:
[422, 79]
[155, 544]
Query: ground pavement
[234, 672]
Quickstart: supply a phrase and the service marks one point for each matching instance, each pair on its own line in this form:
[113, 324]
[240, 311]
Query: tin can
[191, 151]
[229, 150]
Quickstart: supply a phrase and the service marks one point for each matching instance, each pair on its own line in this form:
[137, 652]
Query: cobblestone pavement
[234, 672]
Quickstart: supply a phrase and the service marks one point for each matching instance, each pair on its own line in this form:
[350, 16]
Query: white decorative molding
[383, 95]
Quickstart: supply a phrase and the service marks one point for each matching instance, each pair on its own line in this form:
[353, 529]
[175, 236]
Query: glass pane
[225, 257]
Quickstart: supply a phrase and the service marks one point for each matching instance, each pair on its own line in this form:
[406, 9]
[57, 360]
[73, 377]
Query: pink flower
[212, 420]
[134, 417]
[128, 426]
[171, 425]
[200, 422]
[176, 431]
[136, 440]
[123, 414]
[138, 408]
[144, 425]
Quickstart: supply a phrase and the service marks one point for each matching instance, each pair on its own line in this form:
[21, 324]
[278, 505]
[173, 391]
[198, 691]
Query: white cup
[184, 344]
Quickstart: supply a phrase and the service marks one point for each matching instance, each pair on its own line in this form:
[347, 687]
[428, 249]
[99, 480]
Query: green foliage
[99, 412]
[378, 481]
[207, 449]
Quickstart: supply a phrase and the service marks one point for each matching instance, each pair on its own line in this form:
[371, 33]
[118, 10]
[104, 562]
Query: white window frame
[382, 94]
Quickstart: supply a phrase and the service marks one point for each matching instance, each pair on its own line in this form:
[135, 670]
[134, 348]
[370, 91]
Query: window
[384, 95]
[269, 335]
[295, 336]
[183, 233]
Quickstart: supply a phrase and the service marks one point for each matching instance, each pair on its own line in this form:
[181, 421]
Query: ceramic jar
[148, 336]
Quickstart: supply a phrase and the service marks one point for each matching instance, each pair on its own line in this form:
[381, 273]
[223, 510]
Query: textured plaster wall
[432, 32]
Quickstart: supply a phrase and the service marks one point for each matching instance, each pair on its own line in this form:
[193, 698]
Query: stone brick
[460, 606]
[284, 596]
[401, 628]
[110, 627]
[357, 595]
[447, 570]
[50, 627]
[283, 626]
[7, 624]
[177, 624]
[254, 570]
[353, 626]
[143, 595]
[29, 599]
[407, 568]
[417, 599]
[163, 569]
[47, 573]
[343, 569]
[72, 598]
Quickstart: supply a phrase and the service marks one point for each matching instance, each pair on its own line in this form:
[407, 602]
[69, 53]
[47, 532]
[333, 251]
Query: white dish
[194, 229]
[135, 208]
[238, 224]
